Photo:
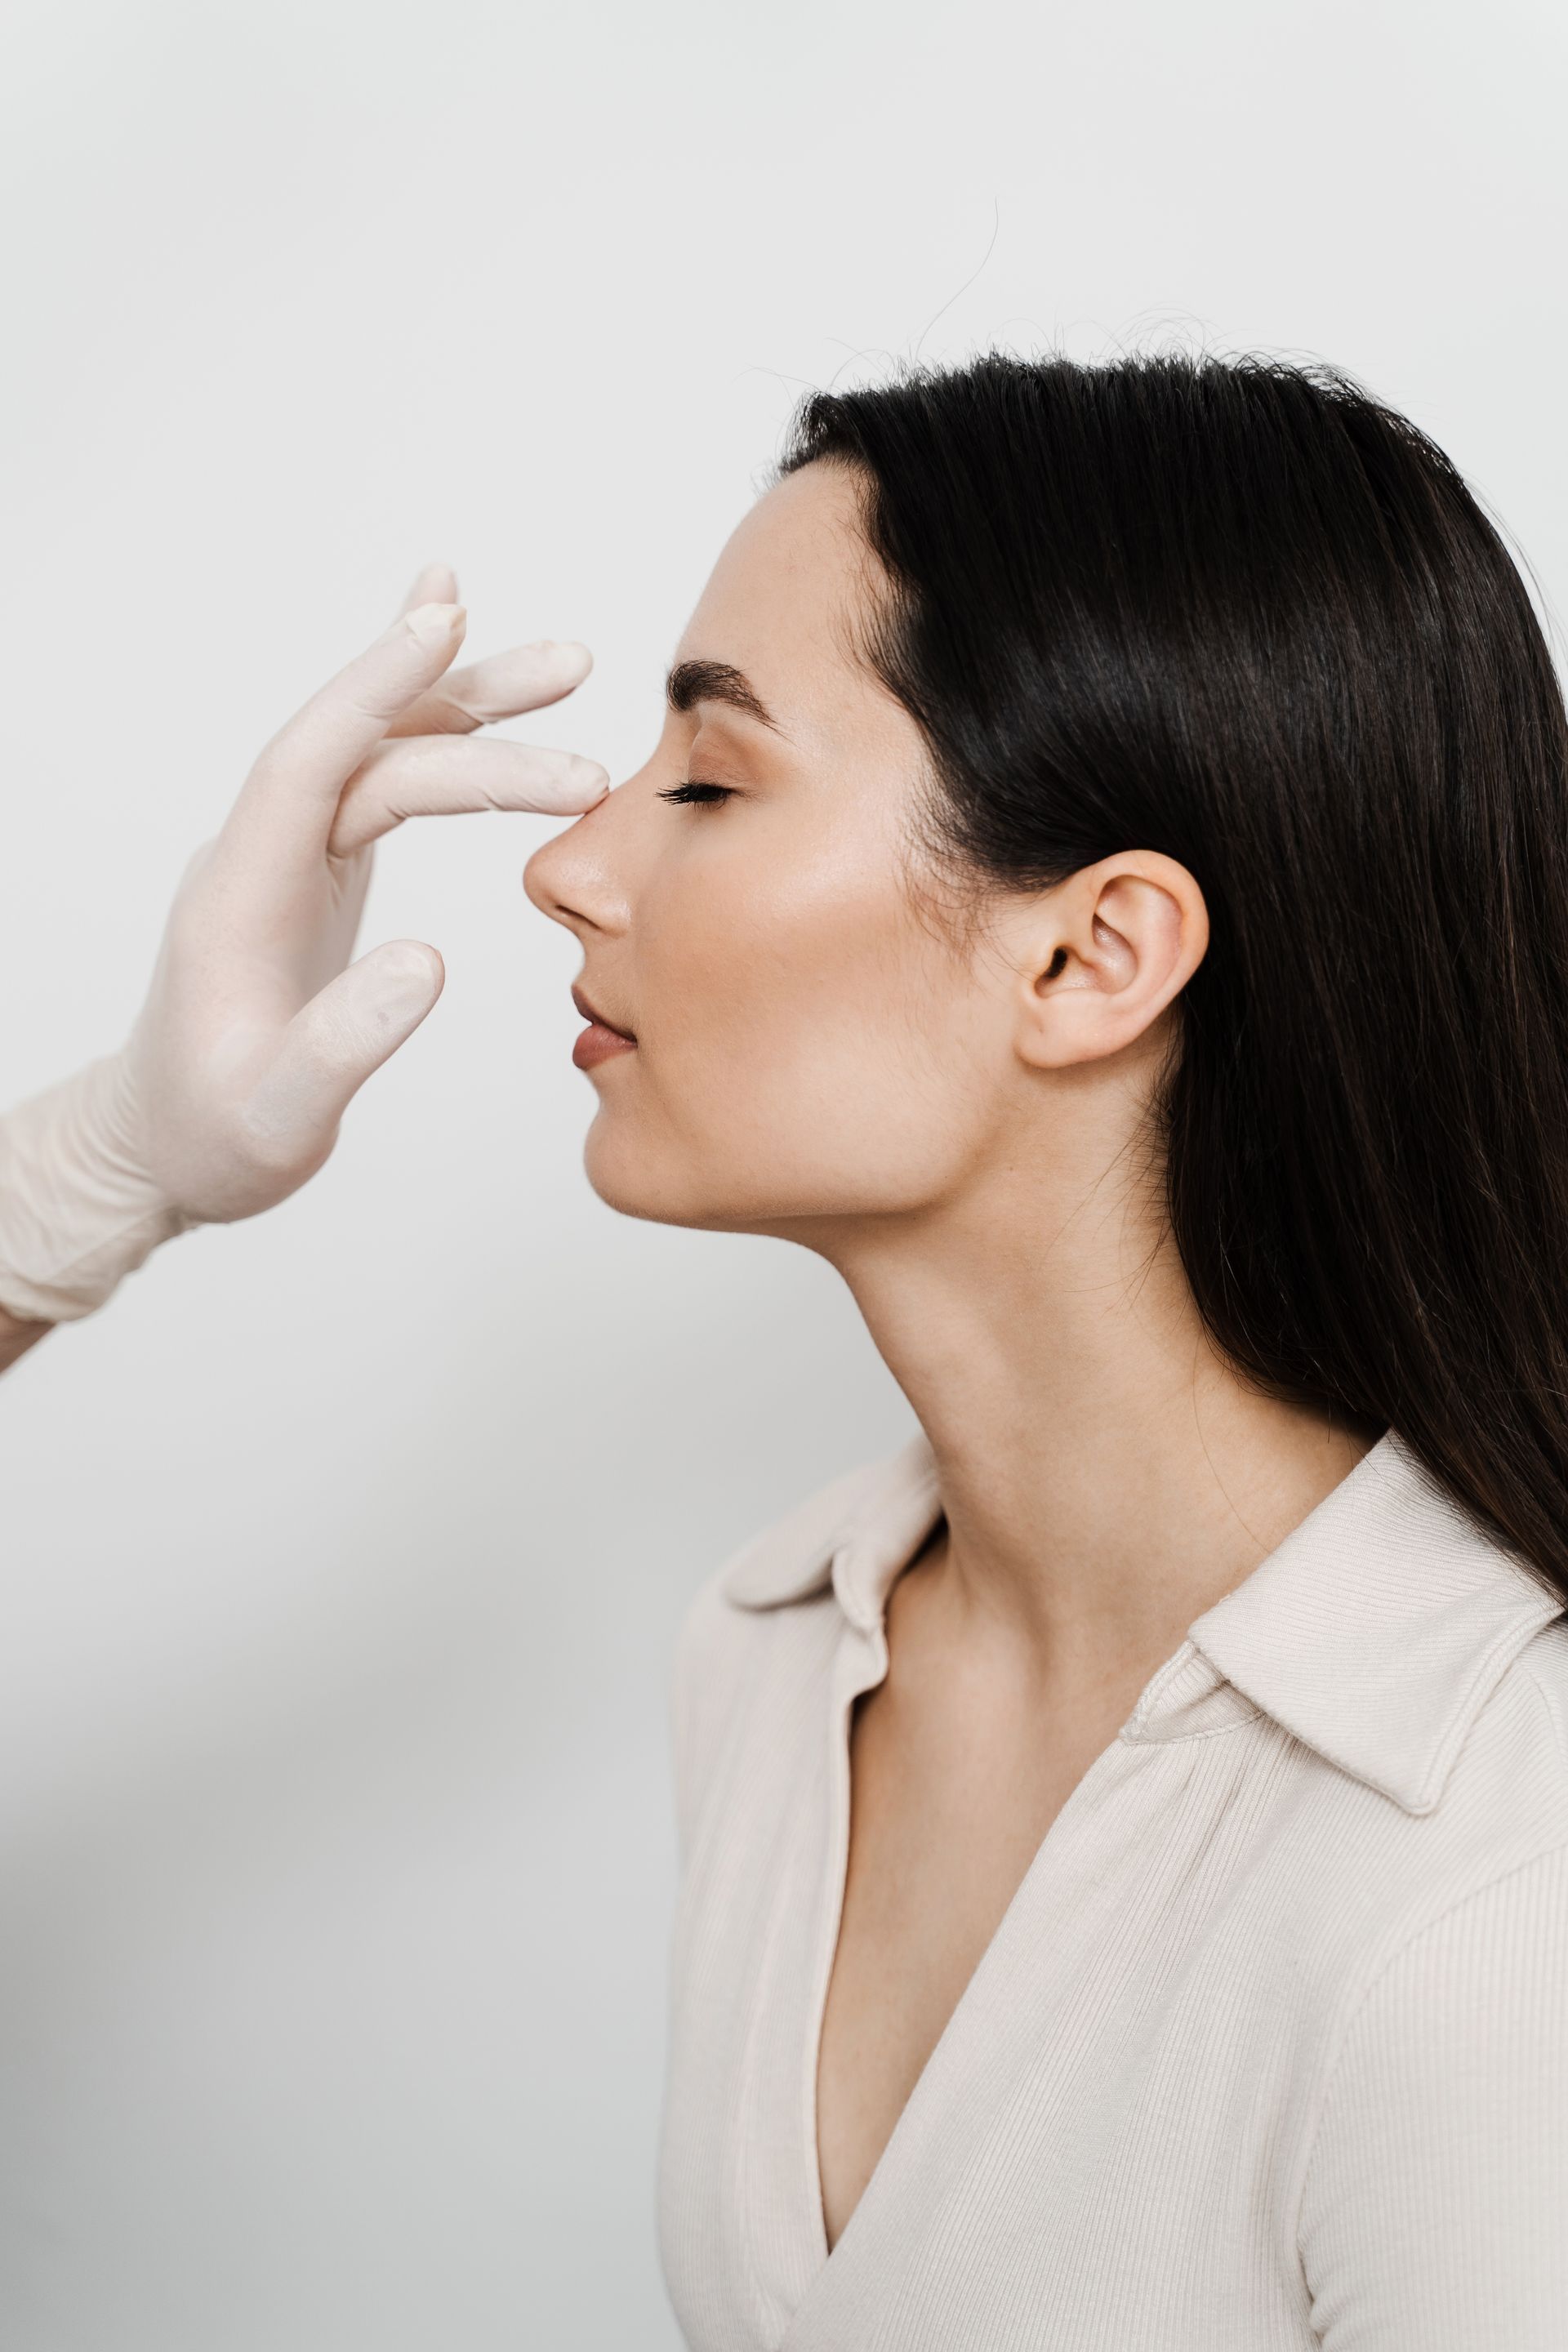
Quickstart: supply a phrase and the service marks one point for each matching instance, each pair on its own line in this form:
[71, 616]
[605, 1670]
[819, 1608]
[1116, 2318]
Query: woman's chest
[1127, 2048]
[954, 1783]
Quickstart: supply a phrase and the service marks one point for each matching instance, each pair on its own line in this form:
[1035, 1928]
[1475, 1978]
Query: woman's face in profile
[809, 1042]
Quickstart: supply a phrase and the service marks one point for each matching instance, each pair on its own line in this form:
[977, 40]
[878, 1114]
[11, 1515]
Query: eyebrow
[690, 682]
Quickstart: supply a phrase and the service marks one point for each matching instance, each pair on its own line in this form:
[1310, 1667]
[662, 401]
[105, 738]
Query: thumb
[331, 1045]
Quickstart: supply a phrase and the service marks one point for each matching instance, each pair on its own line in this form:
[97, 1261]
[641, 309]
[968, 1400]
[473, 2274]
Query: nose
[576, 877]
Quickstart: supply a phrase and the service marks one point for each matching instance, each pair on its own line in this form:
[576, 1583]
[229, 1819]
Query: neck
[1106, 1475]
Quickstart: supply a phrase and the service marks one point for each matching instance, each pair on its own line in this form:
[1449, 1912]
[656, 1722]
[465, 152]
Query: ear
[1105, 952]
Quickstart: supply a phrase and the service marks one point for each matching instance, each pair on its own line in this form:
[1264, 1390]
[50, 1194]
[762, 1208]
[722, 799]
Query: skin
[955, 1114]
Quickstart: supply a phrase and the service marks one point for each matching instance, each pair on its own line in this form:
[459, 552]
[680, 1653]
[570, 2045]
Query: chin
[631, 1181]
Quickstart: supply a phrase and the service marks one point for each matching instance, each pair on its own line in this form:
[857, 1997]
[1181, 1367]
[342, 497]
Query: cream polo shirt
[1270, 2048]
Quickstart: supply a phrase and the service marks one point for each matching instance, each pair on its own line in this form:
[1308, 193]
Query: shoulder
[1461, 1867]
[1506, 1799]
[1438, 2158]
[1432, 2204]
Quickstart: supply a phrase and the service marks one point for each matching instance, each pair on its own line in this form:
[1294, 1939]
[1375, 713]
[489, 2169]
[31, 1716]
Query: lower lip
[596, 1044]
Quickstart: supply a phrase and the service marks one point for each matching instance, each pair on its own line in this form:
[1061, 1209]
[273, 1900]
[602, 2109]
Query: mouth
[591, 1012]
[601, 1040]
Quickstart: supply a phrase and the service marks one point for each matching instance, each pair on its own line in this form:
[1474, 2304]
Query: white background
[340, 1557]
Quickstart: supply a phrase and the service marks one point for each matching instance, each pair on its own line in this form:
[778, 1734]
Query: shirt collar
[852, 1536]
[1379, 1627]
[1374, 1633]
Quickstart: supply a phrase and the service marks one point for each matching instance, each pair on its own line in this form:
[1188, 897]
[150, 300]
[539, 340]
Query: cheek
[798, 1024]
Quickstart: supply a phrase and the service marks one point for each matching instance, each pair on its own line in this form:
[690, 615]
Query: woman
[1101, 884]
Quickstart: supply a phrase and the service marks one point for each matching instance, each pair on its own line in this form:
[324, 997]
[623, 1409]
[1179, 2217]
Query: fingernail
[436, 624]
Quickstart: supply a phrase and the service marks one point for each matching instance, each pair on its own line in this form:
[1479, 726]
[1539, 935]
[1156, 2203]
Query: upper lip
[592, 1012]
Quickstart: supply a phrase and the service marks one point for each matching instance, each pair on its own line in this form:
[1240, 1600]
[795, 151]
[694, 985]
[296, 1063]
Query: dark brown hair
[1238, 612]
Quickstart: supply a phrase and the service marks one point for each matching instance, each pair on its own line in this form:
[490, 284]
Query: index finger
[502, 685]
[434, 584]
[285, 806]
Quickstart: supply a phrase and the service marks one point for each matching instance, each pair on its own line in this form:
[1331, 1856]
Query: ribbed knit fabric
[1270, 2050]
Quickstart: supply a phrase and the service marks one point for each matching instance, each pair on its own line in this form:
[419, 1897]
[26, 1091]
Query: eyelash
[700, 795]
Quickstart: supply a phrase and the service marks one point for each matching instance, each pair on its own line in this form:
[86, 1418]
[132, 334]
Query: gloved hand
[254, 1036]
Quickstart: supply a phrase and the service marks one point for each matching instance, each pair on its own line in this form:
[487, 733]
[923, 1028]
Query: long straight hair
[1240, 612]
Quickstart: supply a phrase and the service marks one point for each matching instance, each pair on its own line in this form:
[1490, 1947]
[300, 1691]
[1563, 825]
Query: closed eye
[692, 791]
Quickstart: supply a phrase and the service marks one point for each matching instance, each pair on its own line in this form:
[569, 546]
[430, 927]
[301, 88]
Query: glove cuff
[78, 1211]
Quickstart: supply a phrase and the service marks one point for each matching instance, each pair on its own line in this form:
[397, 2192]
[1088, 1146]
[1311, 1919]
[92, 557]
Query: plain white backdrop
[341, 1557]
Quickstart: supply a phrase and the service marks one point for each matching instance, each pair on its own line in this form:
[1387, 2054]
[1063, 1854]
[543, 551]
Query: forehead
[782, 602]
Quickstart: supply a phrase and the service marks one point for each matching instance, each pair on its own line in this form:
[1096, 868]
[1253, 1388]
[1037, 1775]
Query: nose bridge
[582, 874]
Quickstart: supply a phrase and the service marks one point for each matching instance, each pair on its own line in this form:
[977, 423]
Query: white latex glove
[254, 1036]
